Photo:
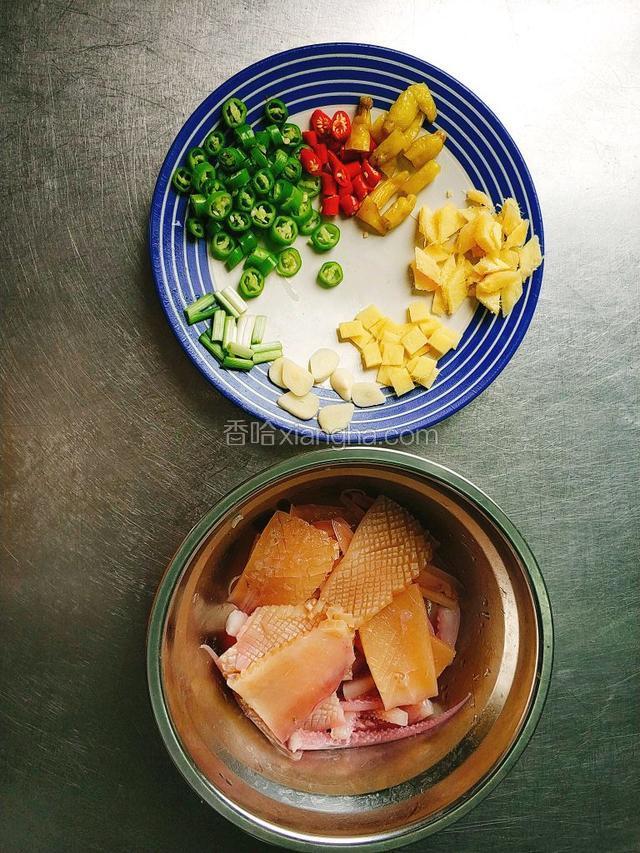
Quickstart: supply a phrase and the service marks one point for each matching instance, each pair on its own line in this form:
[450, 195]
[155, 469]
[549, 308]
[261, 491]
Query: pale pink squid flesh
[447, 625]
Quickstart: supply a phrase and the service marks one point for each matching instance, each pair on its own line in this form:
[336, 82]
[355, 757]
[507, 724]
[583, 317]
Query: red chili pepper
[310, 161]
[338, 170]
[329, 186]
[330, 205]
[352, 169]
[333, 145]
[320, 122]
[322, 153]
[349, 204]
[360, 187]
[310, 137]
[372, 176]
[348, 155]
[340, 125]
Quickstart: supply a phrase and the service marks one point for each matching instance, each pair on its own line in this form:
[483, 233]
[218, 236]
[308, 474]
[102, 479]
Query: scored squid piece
[388, 550]
[329, 714]
[285, 686]
[290, 561]
[374, 735]
[447, 621]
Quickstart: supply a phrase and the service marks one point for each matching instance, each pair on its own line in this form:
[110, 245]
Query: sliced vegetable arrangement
[340, 627]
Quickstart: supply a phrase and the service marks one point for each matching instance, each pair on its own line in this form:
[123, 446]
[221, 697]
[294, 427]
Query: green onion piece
[259, 328]
[217, 325]
[229, 333]
[240, 350]
[245, 329]
[267, 347]
[214, 348]
[269, 355]
[193, 312]
[228, 307]
[233, 363]
[232, 297]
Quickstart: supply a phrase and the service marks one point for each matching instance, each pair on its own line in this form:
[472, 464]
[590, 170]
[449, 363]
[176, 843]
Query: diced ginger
[371, 355]
[392, 355]
[489, 264]
[370, 315]
[378, 328]
[417, 311]
[419, 280]
[422, 367]
[530, 256]
[365, 394]
[389, 337]
[487, 232]
[518, 235]
[401, 380]
[336, 417]
[510, 295]
[438, 306]
[413, 340]
[426, 227]
[511, 258]
[350, 329]
[427, 265]
[498, 281]
[428, 381]
[443, 340]
[437, 252]
[362, 340]
[478, 197]
[509, 217]
[454, 289]
[447, 221]
[383, 375]
[489, 300]
[396, 328]
[466, 237]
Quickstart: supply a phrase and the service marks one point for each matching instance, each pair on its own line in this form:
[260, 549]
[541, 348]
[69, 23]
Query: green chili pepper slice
[221, 245]
[284, 231]
[251, 283]
[195, 228]
[293, 170]
[181, 180]
[245, 200]
[296, 151]
[310, 224]
[310, 185]
[245, 135]
[291, 135]
[259, 158]
[276, 111]
[325, 237]
[194, 156]
[233, 258]
[292, 201]
[211, 186]
[263, 181]
[275, 135]
[212, 227]
[234, 112]
[289, 262]
[279, 161]
[202, 173]
[330, 274]
[198, 204]
[262, 214]
[247, 242]
[238, 179]
[280, 191]
[303, 213]
[219, 205]
[263, 140]
[262, 260]
[214, 143]
[231, 158]
[238, 221]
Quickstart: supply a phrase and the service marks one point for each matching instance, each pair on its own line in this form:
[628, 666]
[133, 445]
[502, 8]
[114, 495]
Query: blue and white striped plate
[479, 153]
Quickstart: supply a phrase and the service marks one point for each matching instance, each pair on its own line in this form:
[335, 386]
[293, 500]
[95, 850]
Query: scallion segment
[267, 347]
[259, 328]
[236, 348]
[232, 362]
[217, 325]
[212, 346]
[269, 355]
[232, 297]
[194, 311]
[229, 332]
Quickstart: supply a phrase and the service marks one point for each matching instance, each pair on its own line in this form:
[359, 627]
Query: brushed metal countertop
[113, 445]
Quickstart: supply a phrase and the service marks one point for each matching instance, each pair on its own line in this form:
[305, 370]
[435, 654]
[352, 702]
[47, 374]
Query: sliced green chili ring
[234, 112]
[202, 173]
[275, 136]
[291, 135]
[194, 156]
[280, 191]
[244, 200]
[181, 180]
[233, 258]
[263, 140]
[276, 111]
[211, 186]
[198, 205]
[325, 237]
[238, 221]
[238, 179]
[214, 143]
[310, 225]
[284, 231]
[292, 170]
[212, 227]
[296, 151]
[195, 228]
[262, 214]
[231, 158]
[221, 245]
[262, 260]
[219, 205]
[289, 262]
[259, 158]
[330, 274]
[245, 136]
[303, 213]
[263, 181]
[292, 201]
[310, 185]
[279, 161]
[251, 283]
[247, 242]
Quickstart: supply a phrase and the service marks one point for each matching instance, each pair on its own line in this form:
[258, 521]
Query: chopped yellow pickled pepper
[360, 136]
[398, 212]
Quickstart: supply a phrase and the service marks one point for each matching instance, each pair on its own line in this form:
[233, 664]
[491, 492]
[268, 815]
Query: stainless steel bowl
[374, 798]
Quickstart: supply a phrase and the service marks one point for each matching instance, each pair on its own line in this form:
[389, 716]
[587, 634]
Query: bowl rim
[409, 463]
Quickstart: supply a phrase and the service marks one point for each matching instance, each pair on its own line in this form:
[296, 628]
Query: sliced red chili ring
[340, 125]
[310, 162]
[320, 122]
[329, 186]
[330, 205]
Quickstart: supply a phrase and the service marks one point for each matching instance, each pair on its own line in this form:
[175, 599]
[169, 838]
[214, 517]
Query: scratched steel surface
[113, 445]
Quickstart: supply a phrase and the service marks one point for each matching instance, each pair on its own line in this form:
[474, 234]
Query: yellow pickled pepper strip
[376, 128]
[385, 190]
[360, 136]
[420, 179]
[398, 212]
[388, 148]
[414, 129]
[425, 148]
[402, 111]
[369, 214]
[424, 99]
